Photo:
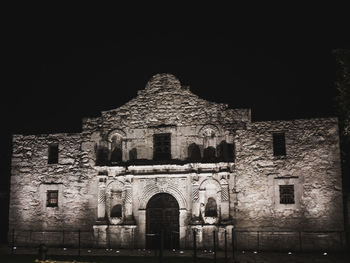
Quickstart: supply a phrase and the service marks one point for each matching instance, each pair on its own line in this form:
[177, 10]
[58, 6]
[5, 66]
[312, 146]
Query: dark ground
[184, 256]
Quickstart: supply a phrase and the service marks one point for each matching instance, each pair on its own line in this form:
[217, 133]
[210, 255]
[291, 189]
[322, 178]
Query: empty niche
[211, 208]
[116, 211]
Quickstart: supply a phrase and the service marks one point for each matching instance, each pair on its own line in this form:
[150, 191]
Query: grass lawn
[100, 259]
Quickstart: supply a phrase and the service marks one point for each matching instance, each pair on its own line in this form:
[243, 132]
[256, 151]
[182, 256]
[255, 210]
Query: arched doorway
[162, 213]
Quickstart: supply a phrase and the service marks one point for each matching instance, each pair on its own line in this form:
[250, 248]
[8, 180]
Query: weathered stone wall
[32, 176]
[165, 107]
[246, 189]
[312, 164]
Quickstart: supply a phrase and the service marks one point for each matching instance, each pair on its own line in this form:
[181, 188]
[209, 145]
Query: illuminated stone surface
[245, 189]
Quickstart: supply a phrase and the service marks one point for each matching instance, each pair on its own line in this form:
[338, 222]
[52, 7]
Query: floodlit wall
[243, 175]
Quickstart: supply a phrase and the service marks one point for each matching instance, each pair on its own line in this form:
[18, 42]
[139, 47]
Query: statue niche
[115, 200]
[115, 143]
[209, 198]
[211, 208]
[209, 133]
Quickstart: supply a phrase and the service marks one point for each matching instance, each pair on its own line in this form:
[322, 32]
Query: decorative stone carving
[115, 195]
[101, 196]
[128, 195]
[195, 194]
[162, 184]
[224, 194]
[209, 130]
[116, 132]
[209, 134]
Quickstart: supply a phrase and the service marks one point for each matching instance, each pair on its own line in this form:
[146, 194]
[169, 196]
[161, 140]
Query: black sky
[61, 68]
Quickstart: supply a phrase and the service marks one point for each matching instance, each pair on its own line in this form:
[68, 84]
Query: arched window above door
[115, 141]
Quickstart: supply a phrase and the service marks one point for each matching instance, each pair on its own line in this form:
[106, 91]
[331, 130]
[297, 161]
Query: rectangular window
[161, 146]
[286, 194]
[279, 144]
[52, 198]
[53, 153]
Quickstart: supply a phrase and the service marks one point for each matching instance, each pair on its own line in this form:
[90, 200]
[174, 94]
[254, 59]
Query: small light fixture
[181, 252]
[89, 251]
[14, 247]
[117, 251]
[243, 251]
[325, 253]
[289, 253]
[174, 249]
[255, 252]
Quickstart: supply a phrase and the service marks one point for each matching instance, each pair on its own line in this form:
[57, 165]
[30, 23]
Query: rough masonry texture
[216, 171]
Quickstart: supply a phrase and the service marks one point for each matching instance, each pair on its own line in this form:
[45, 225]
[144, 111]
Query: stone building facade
[170, 161]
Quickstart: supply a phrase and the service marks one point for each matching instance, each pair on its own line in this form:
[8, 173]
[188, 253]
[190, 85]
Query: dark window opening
[279, 144]
[286, 194]
[226, 152]
[116, 155]
[116, 211]
[211, 208]
[161, 146]
[53, 153]
[209, 154]
[194, 153]
[52, 198]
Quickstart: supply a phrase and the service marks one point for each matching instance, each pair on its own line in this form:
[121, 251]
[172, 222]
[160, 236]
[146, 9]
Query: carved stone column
[141, 237]
[201, 199]
[128, 203]
[183, 226]
[101, 202]
[195, 201]
[225, 204]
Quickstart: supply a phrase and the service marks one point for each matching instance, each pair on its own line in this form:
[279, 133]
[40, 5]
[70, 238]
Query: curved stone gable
[165, 102]
[163, 81]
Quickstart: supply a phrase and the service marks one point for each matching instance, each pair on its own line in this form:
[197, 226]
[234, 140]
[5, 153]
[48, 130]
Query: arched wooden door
[162, 213]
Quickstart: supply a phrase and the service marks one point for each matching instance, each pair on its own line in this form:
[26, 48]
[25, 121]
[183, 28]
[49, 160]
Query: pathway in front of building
[240, 256]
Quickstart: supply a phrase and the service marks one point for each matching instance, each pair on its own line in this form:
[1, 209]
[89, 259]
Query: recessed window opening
[279, 144]
[53, 154]
[286, 194]
[162, 146]
[52, 198]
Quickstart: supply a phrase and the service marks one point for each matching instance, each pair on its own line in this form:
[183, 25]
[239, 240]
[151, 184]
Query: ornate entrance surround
[162, 185]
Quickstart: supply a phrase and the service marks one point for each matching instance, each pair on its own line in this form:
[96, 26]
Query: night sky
[59, 70]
